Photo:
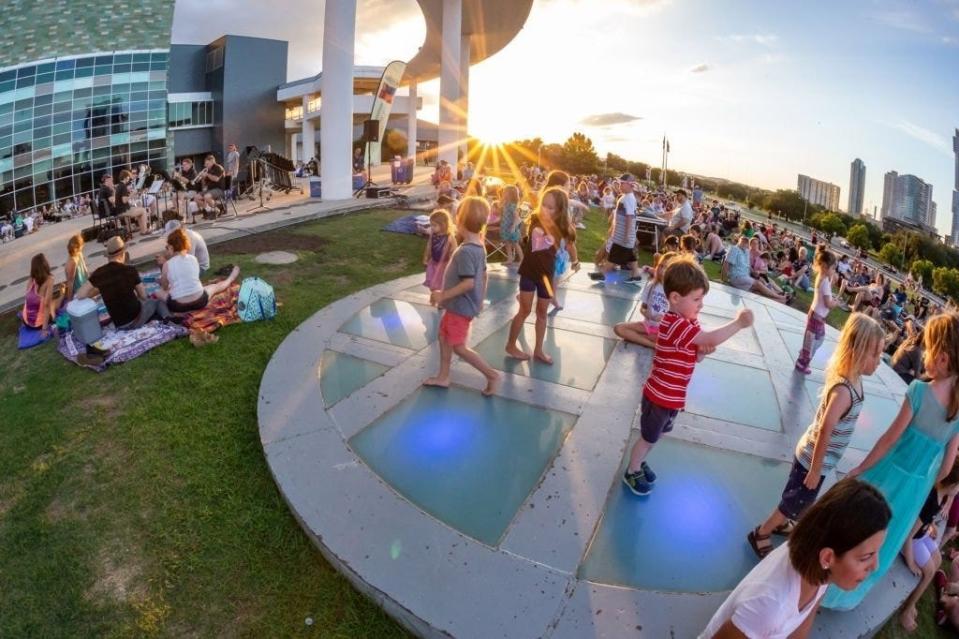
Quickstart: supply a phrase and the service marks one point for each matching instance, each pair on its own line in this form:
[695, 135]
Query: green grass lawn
[137, 502]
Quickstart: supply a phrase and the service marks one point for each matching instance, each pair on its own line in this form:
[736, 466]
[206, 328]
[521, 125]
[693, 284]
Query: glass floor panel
[689, 534]
[578, 359]
[498, 289]
[614, 279]
[589, 307]
[395, 322]
[876, 416]
[341, 374]
[723, 299]
[744, 340]
[782, 318]
[734, 393]
[793, 342]
[467, 460]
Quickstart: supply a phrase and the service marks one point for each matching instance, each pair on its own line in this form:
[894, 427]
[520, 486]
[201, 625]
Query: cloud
[923, 135]
[700, 68]
[763, 39]
[949, 41]
[608, 119]
[903, 19]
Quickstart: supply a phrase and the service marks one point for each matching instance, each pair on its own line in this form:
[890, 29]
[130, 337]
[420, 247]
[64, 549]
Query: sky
[752, 91]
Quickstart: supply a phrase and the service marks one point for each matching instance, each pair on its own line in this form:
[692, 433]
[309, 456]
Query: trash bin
[316, 187]
[409, 165]
[396, 170]
[359, 181]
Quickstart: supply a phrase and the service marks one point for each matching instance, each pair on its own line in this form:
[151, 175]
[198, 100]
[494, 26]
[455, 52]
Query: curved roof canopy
[491, 23]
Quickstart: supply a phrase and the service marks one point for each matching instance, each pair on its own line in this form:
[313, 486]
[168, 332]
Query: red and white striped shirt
[673, 363]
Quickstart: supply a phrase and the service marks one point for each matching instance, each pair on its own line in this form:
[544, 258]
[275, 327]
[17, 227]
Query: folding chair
[494, 243]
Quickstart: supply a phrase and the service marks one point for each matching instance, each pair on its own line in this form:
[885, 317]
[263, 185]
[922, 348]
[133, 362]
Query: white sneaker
[580, 225]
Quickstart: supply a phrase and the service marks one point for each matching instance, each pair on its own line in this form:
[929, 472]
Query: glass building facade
[64, 122]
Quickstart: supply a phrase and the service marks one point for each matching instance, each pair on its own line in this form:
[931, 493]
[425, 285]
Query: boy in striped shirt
[680, 344]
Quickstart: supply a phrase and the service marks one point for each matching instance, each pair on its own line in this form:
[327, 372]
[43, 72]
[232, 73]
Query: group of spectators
[17, 224]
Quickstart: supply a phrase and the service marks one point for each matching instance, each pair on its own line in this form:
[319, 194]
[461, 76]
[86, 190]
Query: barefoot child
[826, 439]
[653, 305]
[679, 345]
[919, 448]
[464, 287]
[921, 551]
[822, 303]
[835, 543]
[438, 249]
[537, 270]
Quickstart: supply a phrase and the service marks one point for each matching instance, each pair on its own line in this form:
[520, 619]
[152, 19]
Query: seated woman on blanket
[180, 277]
[41, 301]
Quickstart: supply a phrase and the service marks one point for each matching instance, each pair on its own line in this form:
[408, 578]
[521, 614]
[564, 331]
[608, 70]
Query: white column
[464, 101]
[308, 138]
[448, 133]
[411, 124]
[294, 139]
[336, 128]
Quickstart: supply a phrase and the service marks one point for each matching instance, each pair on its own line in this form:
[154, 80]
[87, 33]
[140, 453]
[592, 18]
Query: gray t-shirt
[468, 261]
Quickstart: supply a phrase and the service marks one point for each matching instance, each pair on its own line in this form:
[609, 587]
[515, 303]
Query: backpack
[256, 300]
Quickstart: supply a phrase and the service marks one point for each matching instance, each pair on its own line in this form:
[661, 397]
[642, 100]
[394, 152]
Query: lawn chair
[494, 243]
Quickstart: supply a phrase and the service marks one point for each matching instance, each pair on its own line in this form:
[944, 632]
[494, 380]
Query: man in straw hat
[122, 291]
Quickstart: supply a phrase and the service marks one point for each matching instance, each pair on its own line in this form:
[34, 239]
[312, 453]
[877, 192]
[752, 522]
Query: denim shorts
[796, 497]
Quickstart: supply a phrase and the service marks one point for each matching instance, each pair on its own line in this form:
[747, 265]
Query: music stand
[257, 176]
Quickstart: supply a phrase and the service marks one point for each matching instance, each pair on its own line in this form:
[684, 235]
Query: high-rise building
[954, 236]
[857, 186]
[818, 192]
[906, 197]
[83, 91]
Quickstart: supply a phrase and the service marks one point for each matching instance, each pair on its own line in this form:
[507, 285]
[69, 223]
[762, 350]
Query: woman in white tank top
[180, 279]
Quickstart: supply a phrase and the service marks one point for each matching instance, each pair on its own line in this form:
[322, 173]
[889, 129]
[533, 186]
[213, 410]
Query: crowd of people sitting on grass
[838, 546]
[184, 261]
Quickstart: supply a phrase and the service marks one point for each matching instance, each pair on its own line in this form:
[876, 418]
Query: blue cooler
[359, 181]
[316, 187]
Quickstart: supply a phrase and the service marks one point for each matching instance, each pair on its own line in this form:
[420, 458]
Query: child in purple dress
[439, 248]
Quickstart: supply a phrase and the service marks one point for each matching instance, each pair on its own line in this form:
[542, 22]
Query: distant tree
[831, 223]
[787, 202]
[638, 169]
[579, 155]
[945, 281]
[615, 163]
[858, 236]
[552, 156]
[733, 191]
[922, 269]
[891, 254]
[394, 143]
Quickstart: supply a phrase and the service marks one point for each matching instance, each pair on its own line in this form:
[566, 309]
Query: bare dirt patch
[118, 577]
[275, 241]
[106, 404]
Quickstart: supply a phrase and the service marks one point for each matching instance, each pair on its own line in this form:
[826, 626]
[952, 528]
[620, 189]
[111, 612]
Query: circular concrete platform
[276, 257]
[506, 517]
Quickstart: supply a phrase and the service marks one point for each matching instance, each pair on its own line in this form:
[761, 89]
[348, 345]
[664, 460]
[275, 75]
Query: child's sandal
[754, 538]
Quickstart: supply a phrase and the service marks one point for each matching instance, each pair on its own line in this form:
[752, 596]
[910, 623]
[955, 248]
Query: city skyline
[757, 96]
[857, 185]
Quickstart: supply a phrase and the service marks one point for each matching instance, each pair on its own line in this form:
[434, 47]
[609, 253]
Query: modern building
[954, 235]
[857, 186]
[223, 93]
[818, 192]
[83, 91]
[906, 197]
[893, 225]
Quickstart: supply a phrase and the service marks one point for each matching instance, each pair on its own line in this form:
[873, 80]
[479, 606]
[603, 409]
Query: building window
[61, 127]
[214, 59]
[294, 113]
[189, 114]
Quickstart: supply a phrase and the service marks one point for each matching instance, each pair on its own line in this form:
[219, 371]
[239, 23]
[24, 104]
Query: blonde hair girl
[653, 305]
[825, 440]
[918, 449]
[439, 248]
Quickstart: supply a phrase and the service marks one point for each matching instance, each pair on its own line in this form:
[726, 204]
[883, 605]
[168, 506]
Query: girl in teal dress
[918, 449]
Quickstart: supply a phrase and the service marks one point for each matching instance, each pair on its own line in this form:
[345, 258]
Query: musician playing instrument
[121, 202]
[211, 180]
[185, 177]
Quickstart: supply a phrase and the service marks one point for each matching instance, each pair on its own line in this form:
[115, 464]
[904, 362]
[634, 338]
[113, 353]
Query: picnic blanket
[406, 224]
[122, 345]
[28, 337]
[221, 311]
